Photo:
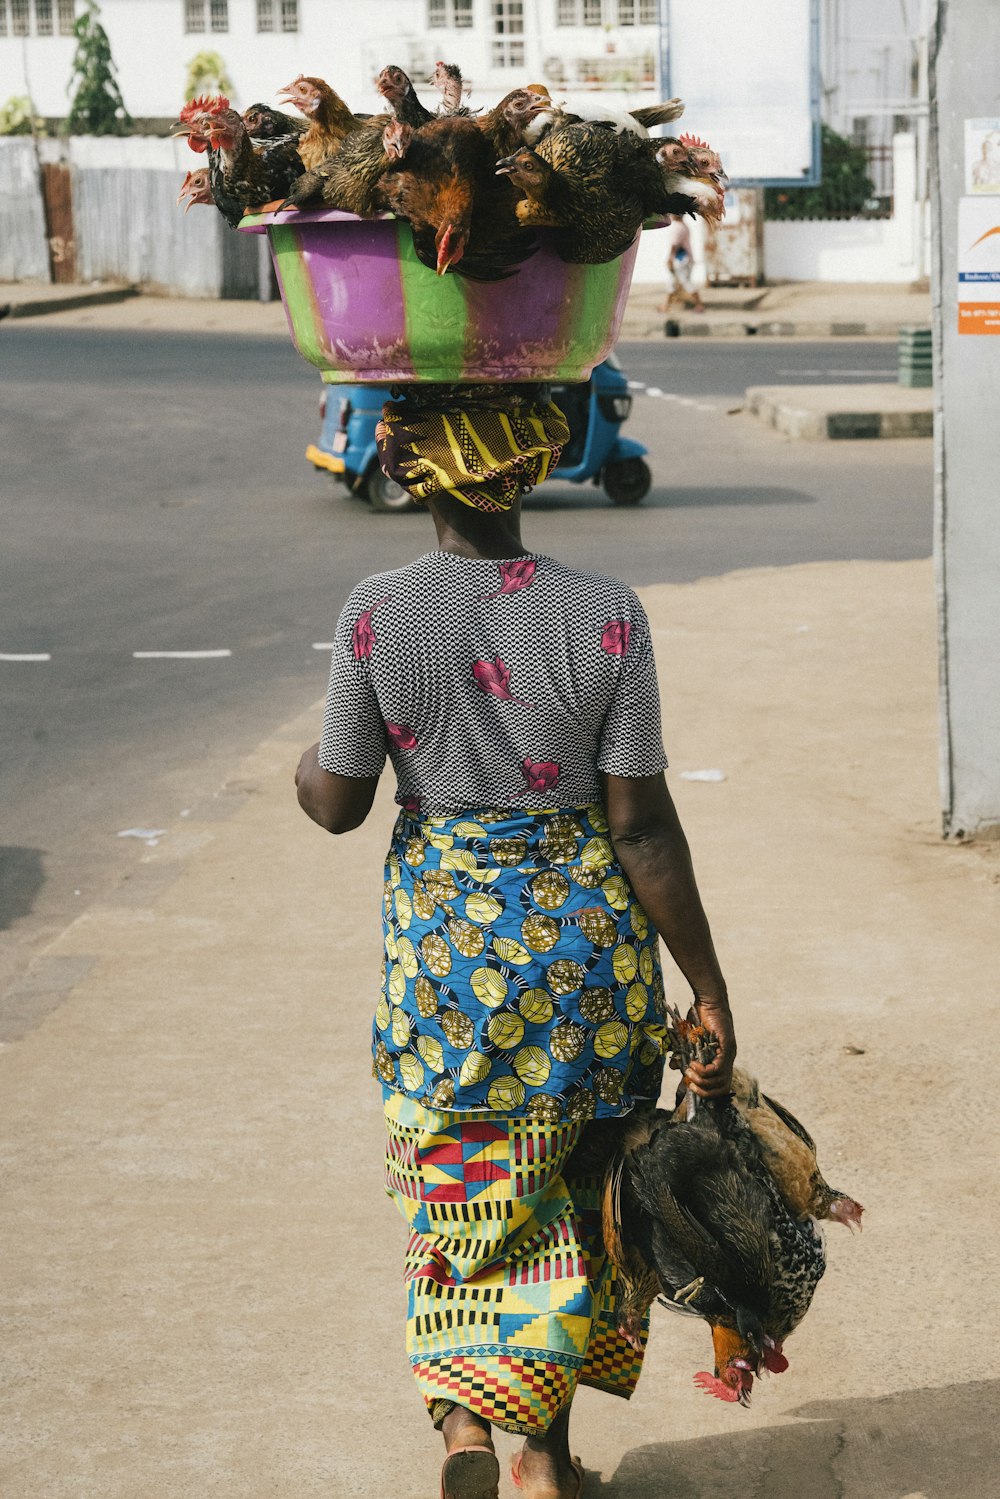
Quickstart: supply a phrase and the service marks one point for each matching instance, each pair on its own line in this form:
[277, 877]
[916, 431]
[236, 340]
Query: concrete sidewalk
[790, 310]
[202, 1275]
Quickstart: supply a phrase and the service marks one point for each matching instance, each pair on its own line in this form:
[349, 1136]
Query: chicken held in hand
[330, 119]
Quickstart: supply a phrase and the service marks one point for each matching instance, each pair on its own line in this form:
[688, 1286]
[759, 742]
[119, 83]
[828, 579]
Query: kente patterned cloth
[486, 445]
[510, 1297]
[521, 975]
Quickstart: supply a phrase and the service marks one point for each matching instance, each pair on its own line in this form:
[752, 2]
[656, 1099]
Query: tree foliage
[98, 107]
[207, 74]
[844, 190]
[16, 116]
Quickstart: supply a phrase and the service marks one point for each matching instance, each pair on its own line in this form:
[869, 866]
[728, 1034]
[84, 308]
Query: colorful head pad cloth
[484, 444]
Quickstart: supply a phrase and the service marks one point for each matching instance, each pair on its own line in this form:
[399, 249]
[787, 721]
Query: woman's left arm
[337, 803]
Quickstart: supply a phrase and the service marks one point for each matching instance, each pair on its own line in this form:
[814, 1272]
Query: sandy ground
[202, 1275]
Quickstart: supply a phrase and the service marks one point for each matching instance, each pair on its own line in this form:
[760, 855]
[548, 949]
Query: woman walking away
[535, 858]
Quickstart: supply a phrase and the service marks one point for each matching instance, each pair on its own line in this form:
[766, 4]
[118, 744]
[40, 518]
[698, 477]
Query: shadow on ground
[922, 1444]
[22, 875]
[661, 497]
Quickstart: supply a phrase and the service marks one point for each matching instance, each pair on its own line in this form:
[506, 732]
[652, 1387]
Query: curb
[817, 426]
[68, 303]
[771, 328]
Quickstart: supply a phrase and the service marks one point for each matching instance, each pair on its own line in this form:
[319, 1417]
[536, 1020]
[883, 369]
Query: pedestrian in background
[680, 265]
[536, 857]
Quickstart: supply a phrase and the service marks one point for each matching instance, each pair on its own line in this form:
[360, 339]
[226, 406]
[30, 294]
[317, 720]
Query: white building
[575, 46]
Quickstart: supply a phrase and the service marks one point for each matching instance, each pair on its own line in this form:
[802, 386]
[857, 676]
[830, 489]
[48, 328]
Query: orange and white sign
[979, 265]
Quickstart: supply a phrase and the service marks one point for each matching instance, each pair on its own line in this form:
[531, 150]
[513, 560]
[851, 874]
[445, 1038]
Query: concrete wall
[24, 255]
[967, 468]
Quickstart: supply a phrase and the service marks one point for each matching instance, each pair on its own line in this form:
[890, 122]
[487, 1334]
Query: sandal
[470, 1473]
[574, 1462]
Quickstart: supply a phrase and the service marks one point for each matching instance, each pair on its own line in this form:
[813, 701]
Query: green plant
[98, 107]
[16, 116]
[844, 190]
[206, 74]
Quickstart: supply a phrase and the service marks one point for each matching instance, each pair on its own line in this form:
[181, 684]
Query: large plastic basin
[362, 308]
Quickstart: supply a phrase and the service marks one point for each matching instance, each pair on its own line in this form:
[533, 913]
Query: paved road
[158, 501]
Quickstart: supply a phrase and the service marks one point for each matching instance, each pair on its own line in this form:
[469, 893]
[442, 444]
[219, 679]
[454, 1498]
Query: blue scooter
[594, 410]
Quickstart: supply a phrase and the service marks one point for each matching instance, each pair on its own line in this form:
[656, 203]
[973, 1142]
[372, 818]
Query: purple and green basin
[363, 309]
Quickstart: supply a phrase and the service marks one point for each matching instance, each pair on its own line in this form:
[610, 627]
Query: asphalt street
[157, 501]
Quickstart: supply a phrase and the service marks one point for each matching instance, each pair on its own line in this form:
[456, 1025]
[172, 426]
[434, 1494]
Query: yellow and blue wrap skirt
[510, 1297]
[521, 975]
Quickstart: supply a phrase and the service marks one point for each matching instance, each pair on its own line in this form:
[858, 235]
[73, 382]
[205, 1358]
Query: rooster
[194, 123]
[251, 177]
[330, 120]
[397, 90]
[462, 218]
[698, 1210]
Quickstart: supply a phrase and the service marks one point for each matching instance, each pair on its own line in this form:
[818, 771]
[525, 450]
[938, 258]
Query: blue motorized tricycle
[594, 410]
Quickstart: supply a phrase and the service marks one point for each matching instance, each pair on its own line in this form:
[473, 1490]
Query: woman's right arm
[653, 851]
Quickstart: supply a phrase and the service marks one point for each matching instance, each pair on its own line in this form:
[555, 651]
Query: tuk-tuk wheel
[627, 482]
[383, 493]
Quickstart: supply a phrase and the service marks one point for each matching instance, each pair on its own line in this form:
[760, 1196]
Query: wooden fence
[104, 209]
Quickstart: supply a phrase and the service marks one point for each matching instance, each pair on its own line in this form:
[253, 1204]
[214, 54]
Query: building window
[43, 17]
[272, 14]
[649, 12]
[197, 14]
[3, 18]
[20, 17]
[66, 10]
[508, 30]
[449, 13]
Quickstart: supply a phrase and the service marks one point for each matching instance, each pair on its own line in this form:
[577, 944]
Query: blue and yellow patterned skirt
[521, 974]
[510, 1297]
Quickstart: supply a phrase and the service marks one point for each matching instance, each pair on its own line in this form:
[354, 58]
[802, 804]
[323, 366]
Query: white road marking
[865, 373]
[25, 656]
[179, 655]
[322, 645]
[653, 390]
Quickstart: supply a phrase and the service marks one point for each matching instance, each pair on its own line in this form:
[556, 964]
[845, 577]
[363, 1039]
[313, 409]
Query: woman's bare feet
[468, 1474]
[544, 1469]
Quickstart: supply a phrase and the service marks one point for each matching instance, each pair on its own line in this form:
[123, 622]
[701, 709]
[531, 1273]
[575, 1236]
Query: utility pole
[965, 181]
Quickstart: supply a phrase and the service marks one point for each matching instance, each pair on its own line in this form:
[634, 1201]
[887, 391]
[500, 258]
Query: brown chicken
[461, 215]
[195, 189]
[330, 120]
[505, 124]
[398, 92]
[352, 180]
[554, 116]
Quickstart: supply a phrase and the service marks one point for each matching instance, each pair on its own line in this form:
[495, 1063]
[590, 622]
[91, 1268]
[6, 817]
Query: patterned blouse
[492, 684]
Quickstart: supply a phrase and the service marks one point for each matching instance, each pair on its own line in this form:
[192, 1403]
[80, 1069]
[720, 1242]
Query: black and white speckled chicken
[595, 187]
[268, 124]
[637, 121]
[242, 173]
[693, 1213]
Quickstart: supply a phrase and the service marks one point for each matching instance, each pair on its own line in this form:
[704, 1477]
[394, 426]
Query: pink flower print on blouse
[516, 575]
[363, 636]
[615, 637]
[401, 736]
[539, 775]
[494, 678]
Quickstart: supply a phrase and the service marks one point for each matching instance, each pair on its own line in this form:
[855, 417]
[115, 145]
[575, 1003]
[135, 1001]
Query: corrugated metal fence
[123, 223]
